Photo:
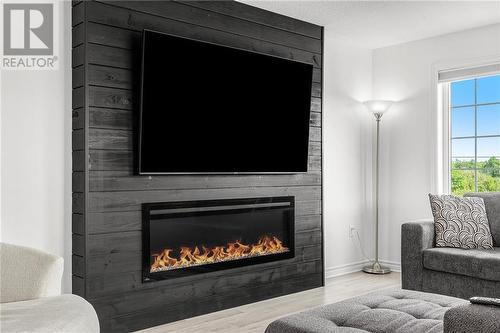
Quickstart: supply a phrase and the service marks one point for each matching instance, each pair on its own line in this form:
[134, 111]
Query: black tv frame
[139, 141]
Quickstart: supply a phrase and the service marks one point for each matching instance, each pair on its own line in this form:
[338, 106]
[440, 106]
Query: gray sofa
[451, 271]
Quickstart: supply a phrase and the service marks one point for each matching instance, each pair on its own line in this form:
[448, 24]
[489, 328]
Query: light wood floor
[254, 318]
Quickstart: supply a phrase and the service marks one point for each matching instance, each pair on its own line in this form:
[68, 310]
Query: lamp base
[376, 268]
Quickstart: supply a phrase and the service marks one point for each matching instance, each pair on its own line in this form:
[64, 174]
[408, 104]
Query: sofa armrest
[472, 318]
[415, 238]
[28, 273]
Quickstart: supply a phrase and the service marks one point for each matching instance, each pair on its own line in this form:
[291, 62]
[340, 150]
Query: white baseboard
[356, 267]
[344, 269]
[393, 265]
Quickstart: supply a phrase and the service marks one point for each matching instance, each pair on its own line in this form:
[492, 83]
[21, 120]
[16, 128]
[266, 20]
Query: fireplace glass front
[192, 237]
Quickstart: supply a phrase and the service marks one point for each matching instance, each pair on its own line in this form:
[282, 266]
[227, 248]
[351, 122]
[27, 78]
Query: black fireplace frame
[195, 208]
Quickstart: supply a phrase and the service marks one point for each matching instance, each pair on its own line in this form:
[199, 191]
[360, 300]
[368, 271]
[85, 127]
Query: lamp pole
[375, 267]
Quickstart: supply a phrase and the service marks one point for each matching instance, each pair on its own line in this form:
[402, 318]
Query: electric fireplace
[193, 237]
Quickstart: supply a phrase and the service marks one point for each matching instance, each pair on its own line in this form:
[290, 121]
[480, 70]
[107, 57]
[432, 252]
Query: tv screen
[207, 108]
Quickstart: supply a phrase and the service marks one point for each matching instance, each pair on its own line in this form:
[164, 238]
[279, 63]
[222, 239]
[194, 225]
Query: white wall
[403, 73]
[347, 163]
[36, 154]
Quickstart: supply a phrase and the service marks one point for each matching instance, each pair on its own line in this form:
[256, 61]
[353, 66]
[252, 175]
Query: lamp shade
[378, 106]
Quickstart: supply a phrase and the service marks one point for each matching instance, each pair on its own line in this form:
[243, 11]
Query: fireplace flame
[199, 256]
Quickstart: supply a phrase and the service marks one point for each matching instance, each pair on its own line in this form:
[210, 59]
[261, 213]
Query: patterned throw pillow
[460, 222]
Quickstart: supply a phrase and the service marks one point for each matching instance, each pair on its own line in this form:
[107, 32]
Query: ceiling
[375, 24]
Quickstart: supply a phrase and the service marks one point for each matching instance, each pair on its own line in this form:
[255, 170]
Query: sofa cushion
[388, 311]
[460, 222]
[481, 264]
[492, 203]
[469, 318]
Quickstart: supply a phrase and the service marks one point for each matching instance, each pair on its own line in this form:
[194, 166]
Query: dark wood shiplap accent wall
[107, 196]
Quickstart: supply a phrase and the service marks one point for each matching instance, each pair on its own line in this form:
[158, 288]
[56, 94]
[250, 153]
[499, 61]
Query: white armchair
[30, 295]
[26, 273]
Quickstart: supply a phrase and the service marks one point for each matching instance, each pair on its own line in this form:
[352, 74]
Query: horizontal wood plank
[260, 16]
[78, 160]
[112, 77]
[111, 98]
[78, 181]
[317, 75]
[310, 207]
[316, 104]
[315, 148]
[105, 34]
[78, 244]
[78, 285]
[114, 222]
[314, 163]
[315, 134]
[316, 89]
[78, 203]
[78, 56]
[315, 119]
[116, 160]
[78, 118]
[78, 98]
[111, 118]
[111, 139]
[122, 181]
[78, 224]
[78, 77]
[123, 160]
[196, 17]
[112, 56]
[78, 35]
[78, 139]
[132, 200]
[77, 14]
[78, 266]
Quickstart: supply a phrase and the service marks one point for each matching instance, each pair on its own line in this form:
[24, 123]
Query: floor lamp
[377, 108]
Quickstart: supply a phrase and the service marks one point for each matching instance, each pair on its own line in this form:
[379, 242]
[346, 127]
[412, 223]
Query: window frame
[439, 175]
[445, 97]
[445, 105]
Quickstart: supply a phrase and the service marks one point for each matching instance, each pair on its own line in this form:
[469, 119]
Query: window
[474, 119]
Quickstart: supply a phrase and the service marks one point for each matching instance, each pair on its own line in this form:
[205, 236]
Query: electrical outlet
[352, 230]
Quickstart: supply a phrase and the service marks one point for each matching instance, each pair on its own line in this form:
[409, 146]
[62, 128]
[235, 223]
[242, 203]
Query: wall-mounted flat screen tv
[208, 108]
